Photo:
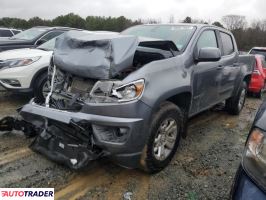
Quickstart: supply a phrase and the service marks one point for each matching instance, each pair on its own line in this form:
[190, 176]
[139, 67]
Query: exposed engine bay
[73, 79]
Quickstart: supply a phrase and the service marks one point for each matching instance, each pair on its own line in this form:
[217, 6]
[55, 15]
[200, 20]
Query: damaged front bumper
[76, 138]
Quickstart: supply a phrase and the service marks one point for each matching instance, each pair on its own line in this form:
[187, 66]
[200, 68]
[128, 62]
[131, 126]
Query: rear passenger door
[230, 67]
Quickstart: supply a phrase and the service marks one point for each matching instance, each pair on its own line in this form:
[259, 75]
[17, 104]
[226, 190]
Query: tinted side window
[227, 43]
[51, 35]
[263, 63]
[207, 39]
[5, 33]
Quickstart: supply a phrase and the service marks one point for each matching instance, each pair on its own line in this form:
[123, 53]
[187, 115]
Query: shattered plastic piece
[7, 123]
[10, 123]
[74, 161]
[127, 195]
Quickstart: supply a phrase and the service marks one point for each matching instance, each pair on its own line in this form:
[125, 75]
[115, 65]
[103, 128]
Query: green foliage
[109, 23]
[72, 20]
[246, 37]
[14, 23]
[36, 21]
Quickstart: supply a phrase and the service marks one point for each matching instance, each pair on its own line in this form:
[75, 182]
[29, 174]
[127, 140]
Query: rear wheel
[235, 104]
[259, 94]
[42, 87]
[165, 131]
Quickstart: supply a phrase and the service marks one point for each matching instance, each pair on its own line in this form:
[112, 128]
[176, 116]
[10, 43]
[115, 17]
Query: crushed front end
[83, 120]
[92, 111]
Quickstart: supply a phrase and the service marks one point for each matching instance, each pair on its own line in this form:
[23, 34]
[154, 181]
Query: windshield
[49, 46]
[258, 51]
[179, 34]
[29, 34]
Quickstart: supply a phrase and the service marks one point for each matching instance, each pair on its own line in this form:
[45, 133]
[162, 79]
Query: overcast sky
[209, 10]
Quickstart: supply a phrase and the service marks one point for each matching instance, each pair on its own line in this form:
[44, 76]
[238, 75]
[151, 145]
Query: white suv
[25, 70]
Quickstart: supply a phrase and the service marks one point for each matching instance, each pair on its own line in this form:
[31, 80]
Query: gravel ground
[203, 168]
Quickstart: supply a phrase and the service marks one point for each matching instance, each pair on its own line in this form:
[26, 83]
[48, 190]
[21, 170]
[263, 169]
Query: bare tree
[259, 25]
[171, 19]
[151, 21]
[234, 22]
[187, 20]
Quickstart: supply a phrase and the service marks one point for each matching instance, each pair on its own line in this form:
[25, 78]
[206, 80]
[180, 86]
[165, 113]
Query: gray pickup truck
[128, 96]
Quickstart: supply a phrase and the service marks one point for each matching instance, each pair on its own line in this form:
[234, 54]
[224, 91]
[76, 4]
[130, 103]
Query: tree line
[72, 20]
[247, 35]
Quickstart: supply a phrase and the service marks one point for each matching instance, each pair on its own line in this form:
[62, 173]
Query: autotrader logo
[26, 193]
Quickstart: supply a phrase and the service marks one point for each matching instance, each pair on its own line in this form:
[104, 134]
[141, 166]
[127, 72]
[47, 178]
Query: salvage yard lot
[203, 168]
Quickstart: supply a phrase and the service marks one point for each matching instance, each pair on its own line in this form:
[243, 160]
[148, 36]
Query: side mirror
[39, 42]
[209, 54]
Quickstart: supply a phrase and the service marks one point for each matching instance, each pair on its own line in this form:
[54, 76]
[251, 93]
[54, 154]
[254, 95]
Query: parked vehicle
[31, 38]
[258, 78]
[26, 70]
[258, 50]
[128, 96]
[6, 32]
[250, 182]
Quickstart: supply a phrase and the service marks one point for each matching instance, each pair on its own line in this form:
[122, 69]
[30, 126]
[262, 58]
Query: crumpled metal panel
[94, 55]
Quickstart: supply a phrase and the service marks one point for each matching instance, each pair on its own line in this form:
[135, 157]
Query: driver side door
[206, 75]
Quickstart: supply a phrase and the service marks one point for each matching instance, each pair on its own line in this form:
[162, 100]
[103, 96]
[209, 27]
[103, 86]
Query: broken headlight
[254, 158]
[115, 91]
[130, 91]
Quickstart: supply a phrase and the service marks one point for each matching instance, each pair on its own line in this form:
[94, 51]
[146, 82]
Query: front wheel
[165, 130]
[42, 87]
[235, 104]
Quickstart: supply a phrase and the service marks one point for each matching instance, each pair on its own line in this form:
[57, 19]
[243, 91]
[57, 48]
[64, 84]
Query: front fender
[163, 79]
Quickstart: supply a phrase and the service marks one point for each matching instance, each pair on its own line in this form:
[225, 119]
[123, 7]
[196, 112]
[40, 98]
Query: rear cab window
[227, 42]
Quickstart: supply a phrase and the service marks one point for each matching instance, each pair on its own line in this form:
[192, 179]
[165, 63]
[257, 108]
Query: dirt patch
[203, 168]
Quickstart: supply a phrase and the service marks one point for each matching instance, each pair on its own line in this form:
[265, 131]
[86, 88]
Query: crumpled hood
[94, 55]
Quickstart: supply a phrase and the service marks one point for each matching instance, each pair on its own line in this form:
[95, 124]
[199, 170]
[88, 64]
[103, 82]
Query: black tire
[235, 104]
[249, 94]
[40, 81]
[170, 111]
[259, 94]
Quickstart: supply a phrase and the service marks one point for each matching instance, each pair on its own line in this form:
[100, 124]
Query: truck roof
[188, 24]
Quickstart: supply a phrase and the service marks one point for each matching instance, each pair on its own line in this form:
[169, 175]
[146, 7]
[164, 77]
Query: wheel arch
[247, 78]
[38, 74]
[181, 98]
